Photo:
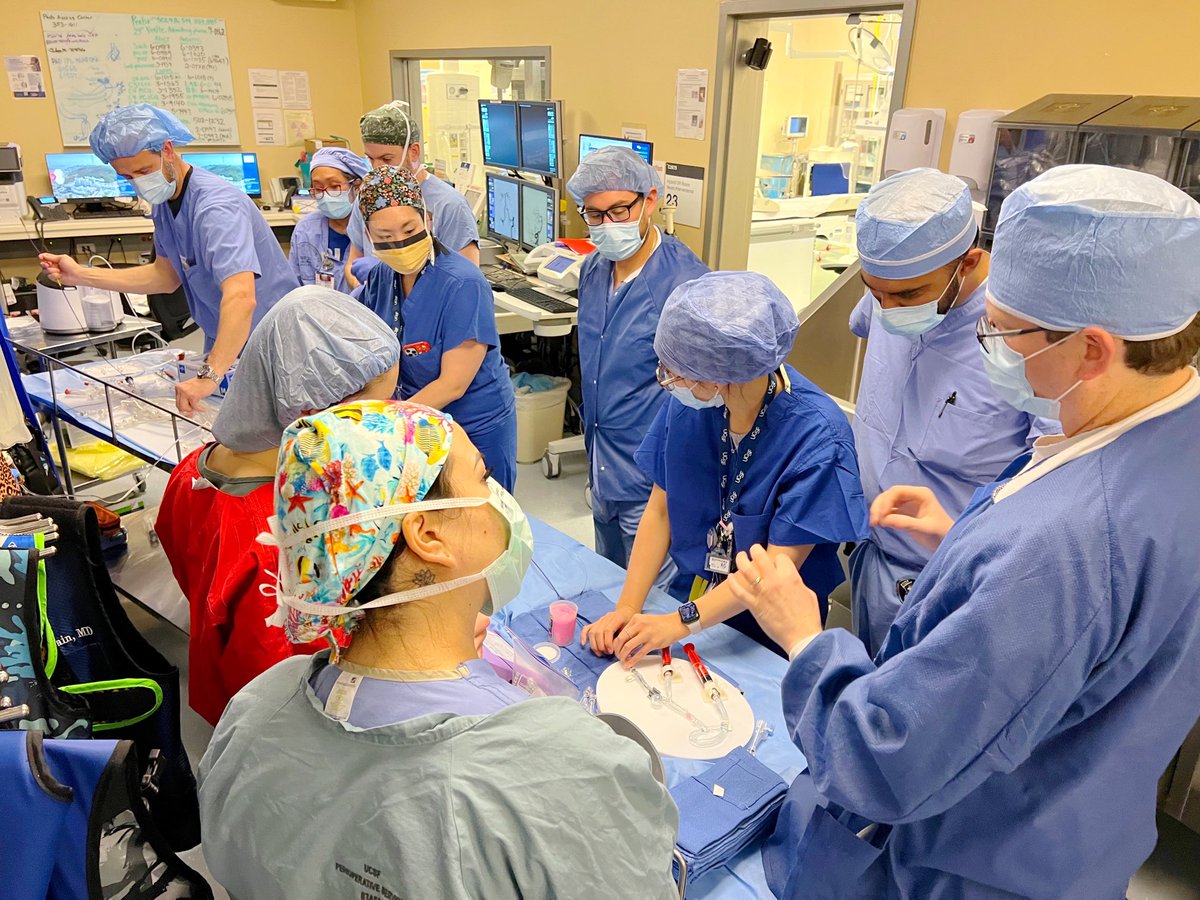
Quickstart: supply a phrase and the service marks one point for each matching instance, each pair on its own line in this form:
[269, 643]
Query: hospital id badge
[325, 279]
[718, 563]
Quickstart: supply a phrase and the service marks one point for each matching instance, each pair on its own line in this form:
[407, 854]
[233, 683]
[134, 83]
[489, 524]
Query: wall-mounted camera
[759, 55]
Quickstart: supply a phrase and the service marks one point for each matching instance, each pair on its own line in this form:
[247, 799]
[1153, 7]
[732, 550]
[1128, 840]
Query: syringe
[709, 686]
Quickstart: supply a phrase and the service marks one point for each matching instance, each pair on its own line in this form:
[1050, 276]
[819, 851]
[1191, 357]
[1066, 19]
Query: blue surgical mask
[617, 240]
[336, 206]
[690, 400]
[910, 321]
[1005, 369]
[154, 188]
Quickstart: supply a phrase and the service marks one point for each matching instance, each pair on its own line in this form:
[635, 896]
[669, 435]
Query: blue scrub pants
[616, 524]
[499, 448]
[874, 596]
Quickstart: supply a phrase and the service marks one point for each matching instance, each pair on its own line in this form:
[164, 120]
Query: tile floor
[1171, 873]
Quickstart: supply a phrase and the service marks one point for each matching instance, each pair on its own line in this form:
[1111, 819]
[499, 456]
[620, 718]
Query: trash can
[541, 410]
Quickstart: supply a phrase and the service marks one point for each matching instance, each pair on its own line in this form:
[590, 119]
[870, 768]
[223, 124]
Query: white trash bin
[540, 417]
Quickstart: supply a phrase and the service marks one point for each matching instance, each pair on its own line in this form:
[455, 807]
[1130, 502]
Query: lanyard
[729, 493]
[719, 561]
[397, 299]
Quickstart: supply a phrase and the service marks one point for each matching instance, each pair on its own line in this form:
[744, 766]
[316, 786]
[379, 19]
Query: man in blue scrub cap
[926, 413]
[208, 236]
[622, 288]
[1008, 738]
[391, 138]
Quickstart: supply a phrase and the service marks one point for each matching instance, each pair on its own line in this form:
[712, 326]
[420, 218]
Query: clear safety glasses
[985, 334]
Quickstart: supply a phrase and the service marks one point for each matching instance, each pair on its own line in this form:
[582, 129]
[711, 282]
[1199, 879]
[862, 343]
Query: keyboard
[540, 300]
[105, 213]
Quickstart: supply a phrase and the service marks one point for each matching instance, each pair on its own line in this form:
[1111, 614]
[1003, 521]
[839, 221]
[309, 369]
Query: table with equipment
[732, 656]
[161, 442]
[29, 336]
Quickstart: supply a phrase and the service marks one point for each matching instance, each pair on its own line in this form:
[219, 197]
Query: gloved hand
[362, 267]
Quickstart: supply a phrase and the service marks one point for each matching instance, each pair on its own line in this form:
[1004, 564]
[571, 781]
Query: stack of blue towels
[724, 809]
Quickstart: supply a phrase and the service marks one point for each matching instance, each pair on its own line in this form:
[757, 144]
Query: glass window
[449, 105]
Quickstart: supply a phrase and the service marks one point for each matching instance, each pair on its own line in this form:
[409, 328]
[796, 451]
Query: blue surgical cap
[726, 327]
[1097, 245]
[341, 159]
[128, 130]
[913, 223]
[612, 169]
[312, 350]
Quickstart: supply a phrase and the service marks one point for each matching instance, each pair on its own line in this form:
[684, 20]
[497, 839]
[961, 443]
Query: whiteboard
[99, 61]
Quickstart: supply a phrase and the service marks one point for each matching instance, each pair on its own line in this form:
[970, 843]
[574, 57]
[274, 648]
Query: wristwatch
[689, 615]
[207, 371]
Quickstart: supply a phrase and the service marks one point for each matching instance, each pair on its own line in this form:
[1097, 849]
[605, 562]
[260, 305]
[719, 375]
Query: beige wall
[982, 53]
[614, 63]
[278, 34]
[611, 64]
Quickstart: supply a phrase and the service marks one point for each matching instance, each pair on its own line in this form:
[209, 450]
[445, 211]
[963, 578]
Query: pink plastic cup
[563, 614]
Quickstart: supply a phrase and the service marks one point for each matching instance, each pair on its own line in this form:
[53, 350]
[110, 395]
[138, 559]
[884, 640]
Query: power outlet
[86, 249]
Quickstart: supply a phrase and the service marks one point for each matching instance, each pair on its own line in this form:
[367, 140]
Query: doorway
[444, 87]
[784, 203]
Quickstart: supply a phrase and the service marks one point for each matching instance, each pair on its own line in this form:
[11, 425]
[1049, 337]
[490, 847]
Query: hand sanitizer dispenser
[914, 140]
[973, 147]
[12, 184]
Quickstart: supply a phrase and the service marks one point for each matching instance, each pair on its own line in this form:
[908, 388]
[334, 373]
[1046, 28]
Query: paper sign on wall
[684, 189]
[691, 97]
[25, 76]
[268, 126]
[264, 88]
[299, 125]
[293, 88]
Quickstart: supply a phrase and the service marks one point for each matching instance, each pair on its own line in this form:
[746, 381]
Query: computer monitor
[83, 176]
[796, 127]
[238, 168]
[501, 145]
[539, 215]
[590, 142]
[540, 146]
[503, 208]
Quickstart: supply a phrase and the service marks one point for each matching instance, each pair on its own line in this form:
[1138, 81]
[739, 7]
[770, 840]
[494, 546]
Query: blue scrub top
[1042, 673]
[314, 241]
[617, 362]
[219, 232]
[450, 304]
[454, 224]
[908, 430]
[475, 690]
[802, 486]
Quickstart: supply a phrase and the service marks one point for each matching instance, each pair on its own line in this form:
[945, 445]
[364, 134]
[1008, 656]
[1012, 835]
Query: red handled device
[665, 653]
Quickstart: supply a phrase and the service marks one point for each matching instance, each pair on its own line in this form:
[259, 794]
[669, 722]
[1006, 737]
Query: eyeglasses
[665, 378]
[335, 191]
[984, 333]
[619, 213]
